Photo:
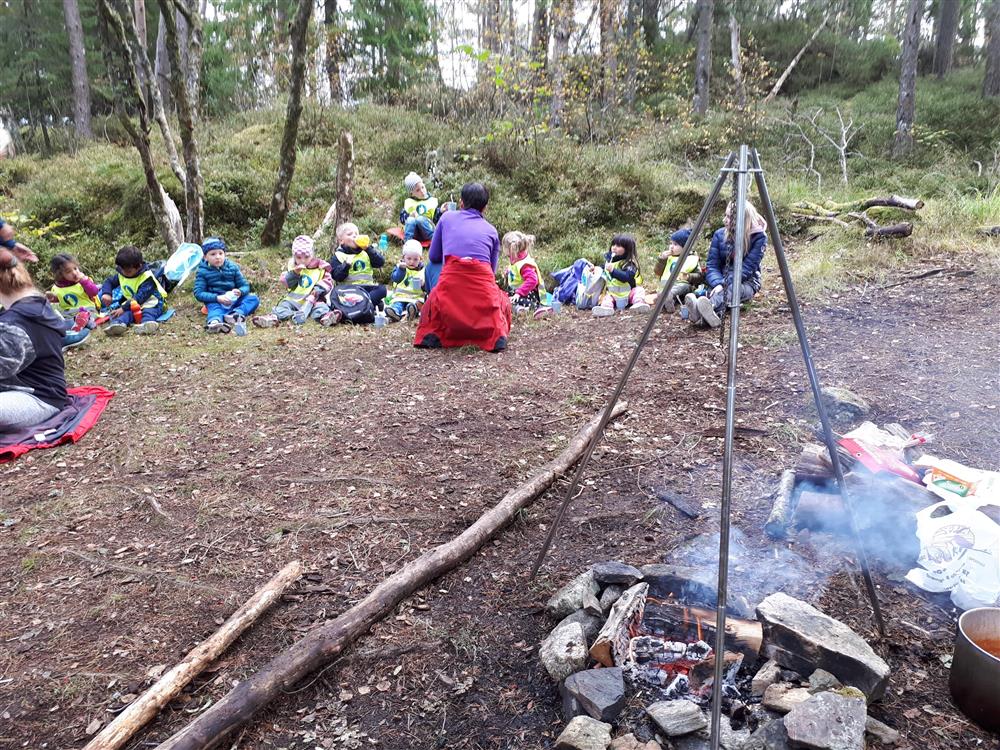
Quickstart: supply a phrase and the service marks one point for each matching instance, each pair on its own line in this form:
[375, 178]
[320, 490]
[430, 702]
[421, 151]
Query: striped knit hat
[303, 245]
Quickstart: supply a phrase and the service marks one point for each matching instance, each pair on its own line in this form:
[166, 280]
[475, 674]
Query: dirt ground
[221, 459]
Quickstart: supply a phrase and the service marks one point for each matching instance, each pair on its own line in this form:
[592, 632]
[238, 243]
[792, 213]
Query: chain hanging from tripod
[732, 234]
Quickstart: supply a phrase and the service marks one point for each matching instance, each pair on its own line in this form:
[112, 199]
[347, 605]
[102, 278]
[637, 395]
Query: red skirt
[466, 307]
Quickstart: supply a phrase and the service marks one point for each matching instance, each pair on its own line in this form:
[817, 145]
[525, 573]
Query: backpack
[354, 304]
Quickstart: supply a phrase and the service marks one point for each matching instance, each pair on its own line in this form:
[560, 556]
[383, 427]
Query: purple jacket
[465, 234]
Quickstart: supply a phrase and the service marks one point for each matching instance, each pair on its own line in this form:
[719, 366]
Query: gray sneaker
[116, 329]
[148, 328]
[215, 326]
[708, 314]
[640, 307]
[602, 312]
[691, 305]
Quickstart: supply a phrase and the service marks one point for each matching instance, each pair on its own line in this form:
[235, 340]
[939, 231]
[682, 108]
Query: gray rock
[591, 624]
[844, 405]
[592, 605]
[769, 736]
[828, 721]
[629, 742]
[610, 595]
[783, 697]
[678, 717]
[600, 692]
[766, 675]
[821, 680]
[616, 572]
[564, 651]
[729, 738]
[569, 598]
[584, 733]
[800, 637]
[571, 707]
[880, 732]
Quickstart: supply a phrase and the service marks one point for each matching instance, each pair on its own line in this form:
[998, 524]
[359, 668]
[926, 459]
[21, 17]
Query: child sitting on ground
[420, 210]
[524, 277]
[222, 288]
[409, 289]
[73, 293]
[354, 261]
[143, 298]
[309, 282]
[688, 278]
[622, 279]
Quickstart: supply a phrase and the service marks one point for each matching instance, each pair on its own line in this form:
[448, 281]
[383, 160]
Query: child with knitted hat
[688, 278]
[409, 287]
[222, 288]
[309, 281]
[420, 210]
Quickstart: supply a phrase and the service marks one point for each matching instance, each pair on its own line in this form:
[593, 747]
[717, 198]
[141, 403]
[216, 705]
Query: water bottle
[556, 305]
[383, 242]
[379, 319]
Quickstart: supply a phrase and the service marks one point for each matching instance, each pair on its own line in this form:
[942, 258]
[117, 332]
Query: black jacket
[38, 366]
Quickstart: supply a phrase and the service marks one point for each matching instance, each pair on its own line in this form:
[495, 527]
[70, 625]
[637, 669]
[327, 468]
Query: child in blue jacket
[719, 268]
[136, 282]
[222, 288]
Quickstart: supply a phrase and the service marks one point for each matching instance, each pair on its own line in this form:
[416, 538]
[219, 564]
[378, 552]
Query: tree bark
[632, 17]
[333, 43]
[139, 13]
[905, 109]
[651, 23]
[327, 642]
[703, 56]
[345, 180]
[947, 31]
[490, 14]
[78, 70]
[562, 11]
[737, 62]
[609, 53]
[143, 709]
[279, 198]
[162, 65]
[540, 34]
[991, 80]
[795, 61]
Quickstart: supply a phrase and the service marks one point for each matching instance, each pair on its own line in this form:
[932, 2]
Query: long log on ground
[783, 508]
[903, 229]
[326, 643]
[146, 706]
[989, 231]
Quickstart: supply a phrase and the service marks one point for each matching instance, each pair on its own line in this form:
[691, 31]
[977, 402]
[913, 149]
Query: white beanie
[411, 180]
[413, 246]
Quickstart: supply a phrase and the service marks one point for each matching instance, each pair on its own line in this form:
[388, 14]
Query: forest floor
[354, 452]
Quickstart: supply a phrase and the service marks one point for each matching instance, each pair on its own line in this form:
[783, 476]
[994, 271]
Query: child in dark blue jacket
[136, 282]
[719, 268]
[222, 288]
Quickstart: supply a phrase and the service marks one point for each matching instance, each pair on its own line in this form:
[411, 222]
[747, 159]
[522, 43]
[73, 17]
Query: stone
[601, 692]
[880, 732]
[610, 595]
[769, 736]
[584, 733]
[629, 742]
[800, 637]
[616, 572]
[828, 721]
[677, 717]
[591, 624]
[564, 651]
[592, 605]
[571, 707]
[844, 405]
[729, 738]
[766, 675]
[783, 697]
[569, 598]
[821, 680]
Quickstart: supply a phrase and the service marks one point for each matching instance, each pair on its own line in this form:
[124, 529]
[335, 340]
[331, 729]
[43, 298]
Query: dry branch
[989, 231]
[795, 61]
[327, 642]
[144, 708]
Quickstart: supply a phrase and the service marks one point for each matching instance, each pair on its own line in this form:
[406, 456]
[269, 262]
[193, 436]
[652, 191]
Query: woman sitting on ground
[32, 374]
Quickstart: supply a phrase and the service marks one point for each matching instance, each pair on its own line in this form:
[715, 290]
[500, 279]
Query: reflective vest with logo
[515, 279]
[73, 298]
[307, 280]
[410, 288]
[361, 268]
[130, 285]
[421, 206]
[620, 289]
[690, 266]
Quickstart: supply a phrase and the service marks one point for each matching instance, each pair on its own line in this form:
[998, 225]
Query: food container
[975, 668]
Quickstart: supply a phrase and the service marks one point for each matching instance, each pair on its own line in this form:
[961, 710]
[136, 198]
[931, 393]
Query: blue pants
[148, 314]
[246, 306]
[418, 227]
[431, 273]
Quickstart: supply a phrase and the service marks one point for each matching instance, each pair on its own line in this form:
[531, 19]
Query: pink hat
[302, 245]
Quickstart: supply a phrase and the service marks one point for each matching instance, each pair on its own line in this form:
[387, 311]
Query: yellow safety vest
[421, 206]
[74, 298]
[690, 266]
[308, 279]
[130, 285]
[410, 288]
[620, 289]
[515, 279]
[361, 272]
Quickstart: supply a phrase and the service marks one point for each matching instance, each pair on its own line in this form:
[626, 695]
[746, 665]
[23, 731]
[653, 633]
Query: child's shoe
[412, 313]
[265, 321]
[75, 338]
[691, 305]
[331, 318]
[231, 318]
[116, 329]
[81, 320]
[391, 313]
[707, 311]
[602, 312]
[215, 326]
[543, 312]
[300, 317]
[640, 307]
[148, 328]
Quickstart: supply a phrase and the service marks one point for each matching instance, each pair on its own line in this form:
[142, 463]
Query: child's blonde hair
[754, 222]
[515, 243]
[413, 247]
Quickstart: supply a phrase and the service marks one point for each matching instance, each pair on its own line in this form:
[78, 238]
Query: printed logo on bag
[950, 543]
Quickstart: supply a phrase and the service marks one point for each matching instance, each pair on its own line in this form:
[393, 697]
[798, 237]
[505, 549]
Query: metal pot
[975, 672]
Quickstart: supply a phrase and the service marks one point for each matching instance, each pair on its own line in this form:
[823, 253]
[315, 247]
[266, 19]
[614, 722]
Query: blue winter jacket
[211, 282]
[720, 259]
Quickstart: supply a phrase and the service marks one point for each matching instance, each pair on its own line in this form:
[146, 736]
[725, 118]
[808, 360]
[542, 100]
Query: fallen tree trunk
[783, 508]
[795, 61]
[146, 706]
[903, 229]
[325, 643]
[989, 231]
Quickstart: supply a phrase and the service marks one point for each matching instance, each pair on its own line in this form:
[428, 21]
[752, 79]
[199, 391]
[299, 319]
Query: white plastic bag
[588, 291]
[183, 261]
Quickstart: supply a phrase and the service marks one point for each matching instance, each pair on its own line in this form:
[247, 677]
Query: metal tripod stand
[740, 165]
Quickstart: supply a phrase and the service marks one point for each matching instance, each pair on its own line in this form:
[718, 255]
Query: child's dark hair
[129, 257]
[627, 242]
[59, 262]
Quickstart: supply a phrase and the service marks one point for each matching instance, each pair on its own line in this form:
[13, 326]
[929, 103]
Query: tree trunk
[562, 11]
[651, 23]
[345, 180]
[78, 70]
[609, 52]
[795, 61]
[279, 198]
[490, 14]
[327, 642]
[737, 62]
[947, 31]
[540, 34]
[139, 13]
[903, 143]
[991, 81]
[703, 56]
[333, 43]
[162, 65]
[632, 13]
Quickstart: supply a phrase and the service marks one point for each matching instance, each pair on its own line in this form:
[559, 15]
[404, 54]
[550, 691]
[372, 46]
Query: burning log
[679, 622]
[611, 644]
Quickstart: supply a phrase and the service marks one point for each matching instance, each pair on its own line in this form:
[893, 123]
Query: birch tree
[78, 70]
[905, 109]
[703, 56]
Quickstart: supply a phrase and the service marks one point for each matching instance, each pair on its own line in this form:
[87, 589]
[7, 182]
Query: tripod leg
[800, 330]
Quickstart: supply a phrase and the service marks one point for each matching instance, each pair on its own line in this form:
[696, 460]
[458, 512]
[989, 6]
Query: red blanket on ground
[466, 307]
[72, 423]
